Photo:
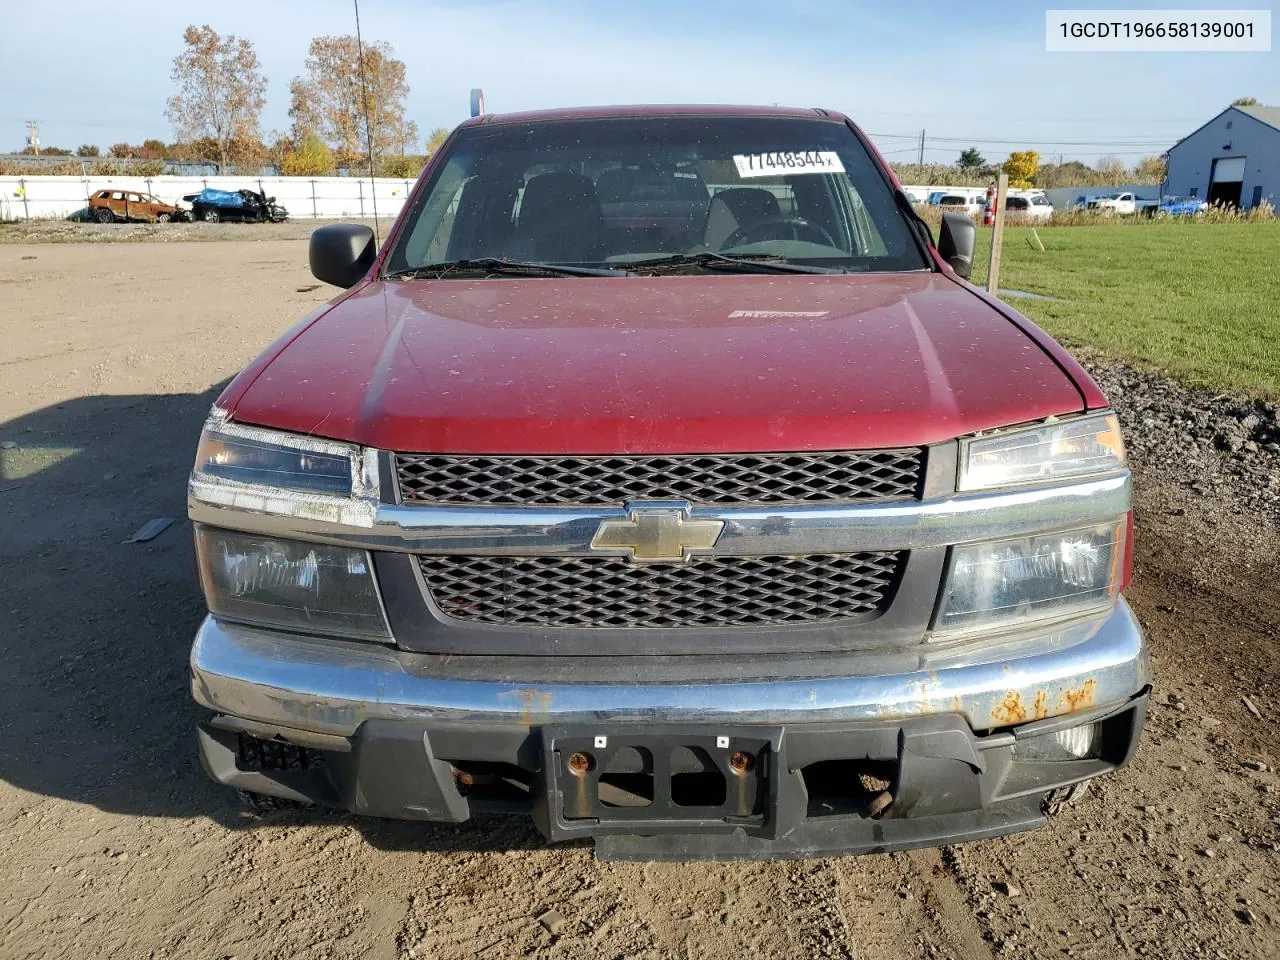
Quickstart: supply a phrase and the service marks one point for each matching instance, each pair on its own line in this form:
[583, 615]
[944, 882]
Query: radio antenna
[368, 127]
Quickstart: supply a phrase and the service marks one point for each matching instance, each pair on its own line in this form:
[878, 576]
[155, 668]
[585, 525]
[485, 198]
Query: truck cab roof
[654, 110]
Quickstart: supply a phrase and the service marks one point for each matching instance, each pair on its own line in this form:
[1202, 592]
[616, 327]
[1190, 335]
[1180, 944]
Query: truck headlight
[1005, 583]
[289, 584]
[1054, 451]
[271, 471]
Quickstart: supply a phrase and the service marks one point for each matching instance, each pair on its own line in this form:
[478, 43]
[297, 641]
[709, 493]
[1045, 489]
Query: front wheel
[210, 215]
[103, 215]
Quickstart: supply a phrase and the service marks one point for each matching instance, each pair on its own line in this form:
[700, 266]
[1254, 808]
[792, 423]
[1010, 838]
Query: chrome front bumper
[330, 688]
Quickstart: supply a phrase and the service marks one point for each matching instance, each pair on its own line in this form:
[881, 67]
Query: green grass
[1199, 300]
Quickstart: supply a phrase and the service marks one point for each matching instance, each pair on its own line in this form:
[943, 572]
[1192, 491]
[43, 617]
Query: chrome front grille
[707, 591]
[744, 478]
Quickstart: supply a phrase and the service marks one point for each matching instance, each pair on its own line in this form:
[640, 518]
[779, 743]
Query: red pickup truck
[662, 478]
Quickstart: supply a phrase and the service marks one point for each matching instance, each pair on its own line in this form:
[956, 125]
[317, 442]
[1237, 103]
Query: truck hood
[723, 363]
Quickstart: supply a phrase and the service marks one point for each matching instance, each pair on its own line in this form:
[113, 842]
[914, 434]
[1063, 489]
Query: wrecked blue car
[213, 206]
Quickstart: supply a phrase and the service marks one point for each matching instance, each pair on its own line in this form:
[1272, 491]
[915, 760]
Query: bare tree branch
[326, 103]
[221, 91]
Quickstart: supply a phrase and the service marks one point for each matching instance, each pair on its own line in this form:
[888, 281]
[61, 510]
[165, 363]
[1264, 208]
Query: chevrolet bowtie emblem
[657, 533]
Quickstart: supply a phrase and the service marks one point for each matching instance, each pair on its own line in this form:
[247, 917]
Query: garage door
[1228, 170]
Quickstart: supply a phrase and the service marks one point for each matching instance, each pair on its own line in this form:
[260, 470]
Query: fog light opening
[1083, 742]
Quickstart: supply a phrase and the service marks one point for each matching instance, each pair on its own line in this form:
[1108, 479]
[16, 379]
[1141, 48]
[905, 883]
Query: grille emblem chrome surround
[657, 533]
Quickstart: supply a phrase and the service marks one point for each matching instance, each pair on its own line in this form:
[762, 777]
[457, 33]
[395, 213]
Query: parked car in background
[1180, 207]
[1035, 207]
[1122, 204]
[108, 206]
[960, 199]
[1117, 203]
[213, 206]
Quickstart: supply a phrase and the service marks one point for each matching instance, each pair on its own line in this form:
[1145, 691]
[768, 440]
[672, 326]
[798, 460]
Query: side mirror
[342, 253]
[957, 238]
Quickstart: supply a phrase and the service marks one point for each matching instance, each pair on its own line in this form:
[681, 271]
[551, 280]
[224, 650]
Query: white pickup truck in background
[1122, 204]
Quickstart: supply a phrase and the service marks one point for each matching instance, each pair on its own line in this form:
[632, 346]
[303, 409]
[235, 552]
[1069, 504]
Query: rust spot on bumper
[534, 705]
[1079, 699]
[1040, 709]
[1010, 710]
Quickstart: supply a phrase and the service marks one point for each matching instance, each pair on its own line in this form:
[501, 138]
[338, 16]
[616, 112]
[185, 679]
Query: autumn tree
[1152, 169]
[1073, 173]
[311, 158]
[1110, 169]
[327, 102]
[1245, 102]
[399, 166]
[152, 150]
[435, 138]
[200, 149]
[970, 159]
[87, 150]
[220, 91]
[1021, 167]
[278, 145]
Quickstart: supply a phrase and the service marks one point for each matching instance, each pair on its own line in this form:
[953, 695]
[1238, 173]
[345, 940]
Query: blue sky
[969, 72]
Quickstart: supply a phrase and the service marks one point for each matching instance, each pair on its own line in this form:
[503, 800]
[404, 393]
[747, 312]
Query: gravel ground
[113, 843]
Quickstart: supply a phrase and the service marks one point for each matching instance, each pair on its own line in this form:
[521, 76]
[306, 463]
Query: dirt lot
[113, 844]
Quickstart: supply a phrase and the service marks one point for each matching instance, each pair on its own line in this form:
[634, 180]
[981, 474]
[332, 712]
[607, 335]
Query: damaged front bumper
[925, 747]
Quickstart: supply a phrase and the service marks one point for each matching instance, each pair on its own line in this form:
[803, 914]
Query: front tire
[210, 215]
[104, 215]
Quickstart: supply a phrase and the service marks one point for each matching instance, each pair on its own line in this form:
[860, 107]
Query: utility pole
[922, 148]
[33, 136]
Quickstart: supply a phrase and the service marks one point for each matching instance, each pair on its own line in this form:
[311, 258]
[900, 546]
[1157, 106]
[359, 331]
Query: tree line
[1026, 169]
[221, 92]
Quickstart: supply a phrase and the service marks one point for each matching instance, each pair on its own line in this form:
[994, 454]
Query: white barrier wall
[43, 198]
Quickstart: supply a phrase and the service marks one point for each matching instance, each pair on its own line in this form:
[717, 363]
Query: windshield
[618, 192]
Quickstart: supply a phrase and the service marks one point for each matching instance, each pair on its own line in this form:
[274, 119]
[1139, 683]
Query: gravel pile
[1221, 445]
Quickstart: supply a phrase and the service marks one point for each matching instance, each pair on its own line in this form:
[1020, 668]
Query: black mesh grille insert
[705, 592]
[720, 478]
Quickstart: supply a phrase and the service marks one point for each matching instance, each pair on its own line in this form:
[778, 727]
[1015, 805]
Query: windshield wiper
[500, 265]
[745, 263]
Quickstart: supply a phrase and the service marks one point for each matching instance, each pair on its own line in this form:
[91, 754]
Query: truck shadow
[95, 699]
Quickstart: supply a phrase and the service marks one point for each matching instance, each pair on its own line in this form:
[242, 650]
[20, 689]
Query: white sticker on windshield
[789, 162]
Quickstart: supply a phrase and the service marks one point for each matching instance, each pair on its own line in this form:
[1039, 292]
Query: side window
[429, 241]
[117, 195]
[134, 198]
